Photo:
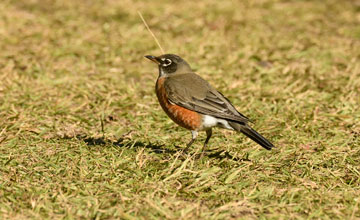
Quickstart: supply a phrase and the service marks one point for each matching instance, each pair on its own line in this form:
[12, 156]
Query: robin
[191, 102]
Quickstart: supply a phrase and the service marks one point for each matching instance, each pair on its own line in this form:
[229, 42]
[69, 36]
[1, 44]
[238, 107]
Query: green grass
[291, 66]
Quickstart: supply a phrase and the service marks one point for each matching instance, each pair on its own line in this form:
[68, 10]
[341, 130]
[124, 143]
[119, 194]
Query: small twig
[147, 27]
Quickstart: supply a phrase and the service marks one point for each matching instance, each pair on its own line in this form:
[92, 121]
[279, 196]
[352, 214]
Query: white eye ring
[167, 63]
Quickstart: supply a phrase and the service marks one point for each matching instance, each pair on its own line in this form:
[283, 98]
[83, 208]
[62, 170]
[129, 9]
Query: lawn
[82, 135]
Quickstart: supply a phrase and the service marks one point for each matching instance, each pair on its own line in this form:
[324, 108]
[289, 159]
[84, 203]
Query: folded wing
[194, 93]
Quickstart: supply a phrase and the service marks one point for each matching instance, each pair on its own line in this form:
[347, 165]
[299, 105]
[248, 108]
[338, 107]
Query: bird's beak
[153, 58]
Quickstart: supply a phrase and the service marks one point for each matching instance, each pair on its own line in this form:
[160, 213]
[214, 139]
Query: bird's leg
[194, 134]
[208, 136]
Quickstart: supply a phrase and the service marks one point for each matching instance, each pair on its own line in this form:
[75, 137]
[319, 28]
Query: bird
[191, 102]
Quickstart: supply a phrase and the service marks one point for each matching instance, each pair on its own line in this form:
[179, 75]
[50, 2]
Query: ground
[82, 135]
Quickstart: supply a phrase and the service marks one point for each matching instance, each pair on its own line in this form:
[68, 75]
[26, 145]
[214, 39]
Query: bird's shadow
[122, 142]
[156, 148]
[218, 155]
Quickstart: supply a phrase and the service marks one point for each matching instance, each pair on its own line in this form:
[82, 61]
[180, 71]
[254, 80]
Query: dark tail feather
[253, 135]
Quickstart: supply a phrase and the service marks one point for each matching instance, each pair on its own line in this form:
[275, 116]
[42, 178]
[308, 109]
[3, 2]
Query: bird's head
[170, 64]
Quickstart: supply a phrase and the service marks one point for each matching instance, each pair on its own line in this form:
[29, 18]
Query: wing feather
[194, 93]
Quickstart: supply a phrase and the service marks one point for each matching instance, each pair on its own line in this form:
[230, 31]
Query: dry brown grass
[291, 66]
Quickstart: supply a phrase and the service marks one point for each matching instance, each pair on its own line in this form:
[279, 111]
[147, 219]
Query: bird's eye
[167, 62]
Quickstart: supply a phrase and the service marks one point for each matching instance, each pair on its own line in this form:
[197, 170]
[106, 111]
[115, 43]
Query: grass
[291, 66]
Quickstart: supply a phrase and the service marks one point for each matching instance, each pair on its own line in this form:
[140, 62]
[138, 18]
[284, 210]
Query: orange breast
[184, 117]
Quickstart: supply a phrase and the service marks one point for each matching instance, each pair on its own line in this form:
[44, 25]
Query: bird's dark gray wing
[191, 91]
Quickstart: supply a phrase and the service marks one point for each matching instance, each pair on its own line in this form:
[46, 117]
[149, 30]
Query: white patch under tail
[210, 121]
